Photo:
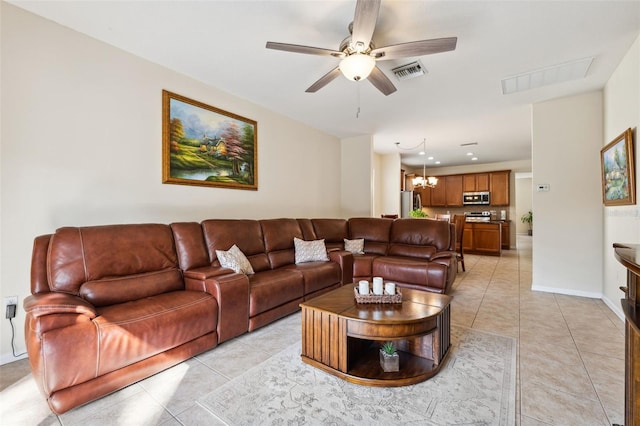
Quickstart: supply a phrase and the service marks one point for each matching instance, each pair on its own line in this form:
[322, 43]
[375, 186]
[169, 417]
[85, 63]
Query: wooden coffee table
[343, 337]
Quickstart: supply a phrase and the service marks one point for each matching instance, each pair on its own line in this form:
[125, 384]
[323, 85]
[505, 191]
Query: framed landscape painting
[618, 171]
[206, 146]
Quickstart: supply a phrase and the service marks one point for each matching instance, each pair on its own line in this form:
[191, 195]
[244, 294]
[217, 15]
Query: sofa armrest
[444, 254]
[206, 272]
[50, 311]
[41, 304]
[231, 291]
[344, 259]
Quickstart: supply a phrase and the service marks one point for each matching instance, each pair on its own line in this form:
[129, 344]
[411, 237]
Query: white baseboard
[568, 292]
[7, 358]
[615, 307]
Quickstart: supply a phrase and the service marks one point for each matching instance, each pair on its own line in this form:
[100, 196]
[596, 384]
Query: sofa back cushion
[222, 234]
[306, 226]
[278, 240]
[113, 259]
[332, 231]
[375, 232]
[419, 237]
[190, 245]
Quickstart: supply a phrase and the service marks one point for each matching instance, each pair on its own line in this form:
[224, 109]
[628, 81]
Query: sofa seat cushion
[363, 265]
[410, 270]
[269, 289]
[132, 331]
[318, 275]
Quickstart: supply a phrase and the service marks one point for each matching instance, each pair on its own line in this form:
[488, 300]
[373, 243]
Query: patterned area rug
[476, 386]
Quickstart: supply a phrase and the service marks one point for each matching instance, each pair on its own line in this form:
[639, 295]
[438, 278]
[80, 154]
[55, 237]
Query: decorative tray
[382, 298]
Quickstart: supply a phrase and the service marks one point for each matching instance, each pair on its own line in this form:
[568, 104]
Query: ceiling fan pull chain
[358, 98]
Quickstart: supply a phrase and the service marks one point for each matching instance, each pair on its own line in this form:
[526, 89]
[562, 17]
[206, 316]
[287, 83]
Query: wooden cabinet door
[482, 182]
[506, 235]
[475, 182]
[425, 196]
[469, 183]
[499, 187]
[467, 237]
[454, 190]
[486, 237]
[439, 193]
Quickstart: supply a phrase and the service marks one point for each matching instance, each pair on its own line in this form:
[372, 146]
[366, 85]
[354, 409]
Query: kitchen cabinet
[425, 196]
[475, 182]
[439, 193]
[506, 236]
[467, 238]
[482, 238]
[453, 190]
[448, 191]
[499, 187]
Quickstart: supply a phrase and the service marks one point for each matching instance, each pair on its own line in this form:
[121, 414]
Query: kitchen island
[483, 237]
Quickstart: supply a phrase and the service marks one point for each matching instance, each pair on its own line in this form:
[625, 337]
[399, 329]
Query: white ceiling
[222, 43]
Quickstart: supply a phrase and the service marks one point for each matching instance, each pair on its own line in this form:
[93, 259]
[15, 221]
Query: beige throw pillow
[235, 259]
[354, 246]
[310, 251]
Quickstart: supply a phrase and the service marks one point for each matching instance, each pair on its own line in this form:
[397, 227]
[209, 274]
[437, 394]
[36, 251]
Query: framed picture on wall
[206, 146]
[618, 171]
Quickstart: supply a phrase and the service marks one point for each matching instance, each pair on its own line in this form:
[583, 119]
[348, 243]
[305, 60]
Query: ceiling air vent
[409, 71]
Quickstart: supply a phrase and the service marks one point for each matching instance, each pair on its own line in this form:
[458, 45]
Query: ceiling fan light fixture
[357, 66]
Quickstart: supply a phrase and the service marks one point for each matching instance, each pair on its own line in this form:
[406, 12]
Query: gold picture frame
[618, 171]
[206, 146]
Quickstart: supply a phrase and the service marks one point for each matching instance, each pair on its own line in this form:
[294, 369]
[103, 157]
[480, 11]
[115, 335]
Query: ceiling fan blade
[296, 48]
[415, 48]
[364, 22]
[381, 81]
[324, 80]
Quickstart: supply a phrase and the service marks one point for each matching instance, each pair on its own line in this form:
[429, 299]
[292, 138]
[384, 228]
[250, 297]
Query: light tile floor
[570, 363]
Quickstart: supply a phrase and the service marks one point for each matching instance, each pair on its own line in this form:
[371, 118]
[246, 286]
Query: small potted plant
[528, 219]
[418, 213]
[389, 358]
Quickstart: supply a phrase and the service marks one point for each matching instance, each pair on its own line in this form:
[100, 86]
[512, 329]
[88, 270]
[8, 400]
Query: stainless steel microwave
[474, 198]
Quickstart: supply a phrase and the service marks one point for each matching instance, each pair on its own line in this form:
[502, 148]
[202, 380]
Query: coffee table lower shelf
[366, 369]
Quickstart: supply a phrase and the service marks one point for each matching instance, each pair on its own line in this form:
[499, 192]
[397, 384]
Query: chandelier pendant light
[425, 181]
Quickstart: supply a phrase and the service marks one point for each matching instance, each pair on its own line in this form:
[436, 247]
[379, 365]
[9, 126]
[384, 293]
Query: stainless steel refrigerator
[409, 200]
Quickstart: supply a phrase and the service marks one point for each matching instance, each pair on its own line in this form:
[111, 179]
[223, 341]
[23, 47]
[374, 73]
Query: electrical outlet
[11, 300]
[10, 304]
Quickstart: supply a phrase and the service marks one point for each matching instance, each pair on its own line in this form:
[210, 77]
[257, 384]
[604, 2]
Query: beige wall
[567, 239]
[523, 201]
[621, 224]
[357, 176]
[387, 184]
[81, 145]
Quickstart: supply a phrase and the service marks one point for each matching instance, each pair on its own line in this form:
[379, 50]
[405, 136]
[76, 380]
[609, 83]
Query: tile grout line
[604, 411]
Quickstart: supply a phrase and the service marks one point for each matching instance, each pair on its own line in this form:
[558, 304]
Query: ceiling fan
[359, 55]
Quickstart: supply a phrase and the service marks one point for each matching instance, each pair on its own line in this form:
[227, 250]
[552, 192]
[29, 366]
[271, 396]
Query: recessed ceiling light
[437, 162]
[469, 153]
[474, 159]
[421, 153]
[559, 73]
[429, 158]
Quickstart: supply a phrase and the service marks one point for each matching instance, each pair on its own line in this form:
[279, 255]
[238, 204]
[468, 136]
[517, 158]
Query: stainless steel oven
[475, 198]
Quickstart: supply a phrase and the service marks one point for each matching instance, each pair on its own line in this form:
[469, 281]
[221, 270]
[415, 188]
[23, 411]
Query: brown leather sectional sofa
[114, 304]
